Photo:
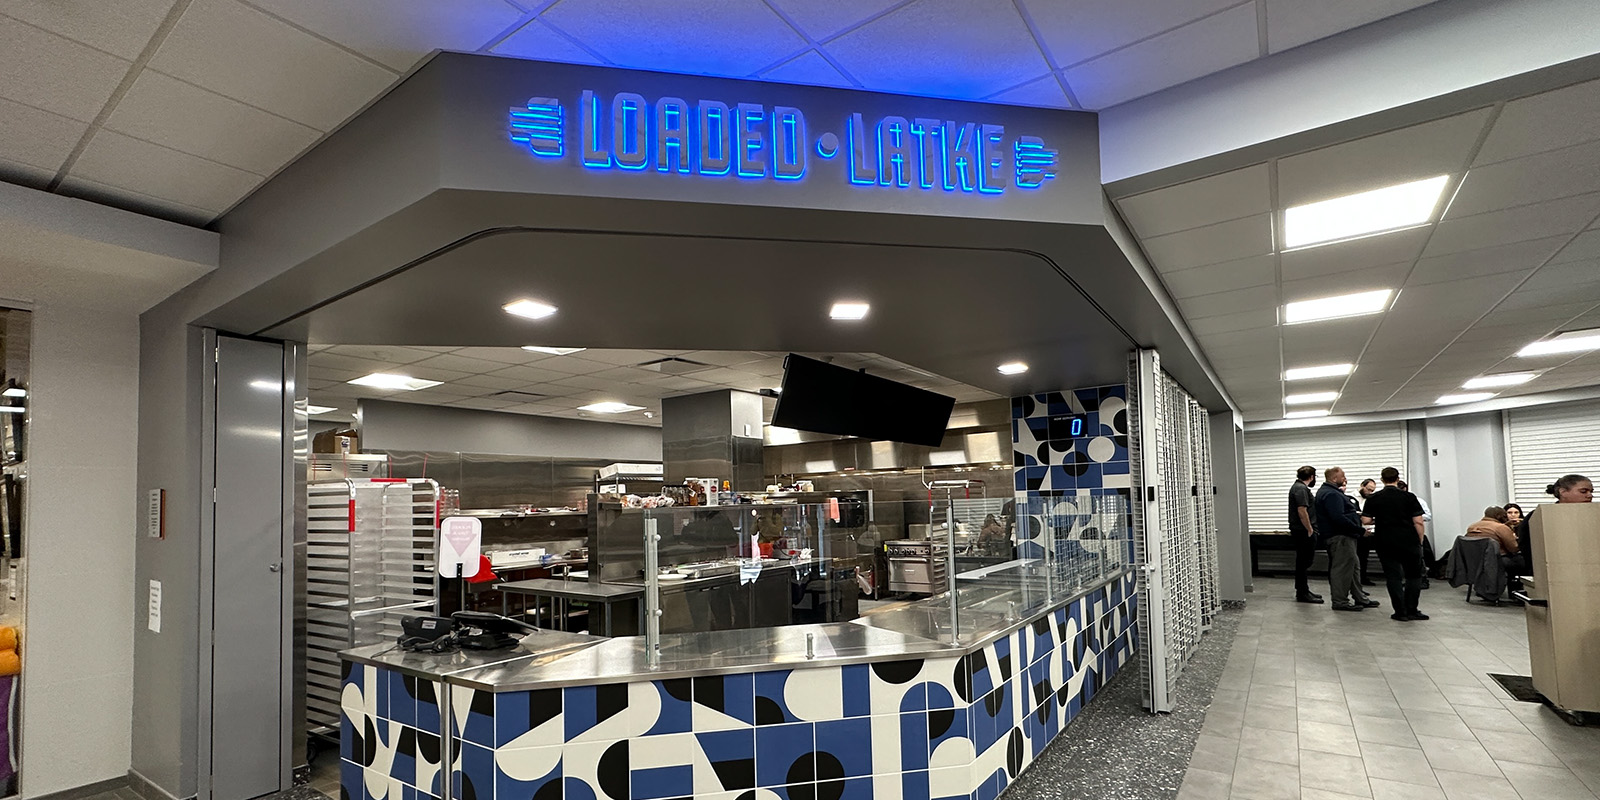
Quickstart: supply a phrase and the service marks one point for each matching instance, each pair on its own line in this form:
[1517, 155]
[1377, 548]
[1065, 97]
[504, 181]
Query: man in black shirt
[1303, 532]
[1339, 524]
[1396, 517]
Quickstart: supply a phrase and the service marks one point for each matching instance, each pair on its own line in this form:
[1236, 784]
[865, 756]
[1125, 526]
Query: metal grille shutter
[1547, 442]
[1271, 457]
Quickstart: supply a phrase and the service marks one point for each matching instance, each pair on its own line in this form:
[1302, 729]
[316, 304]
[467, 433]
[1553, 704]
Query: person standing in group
[1567, 489]
[1396, 519]
[1303, 532]
[1364, 547]
[1339, 523]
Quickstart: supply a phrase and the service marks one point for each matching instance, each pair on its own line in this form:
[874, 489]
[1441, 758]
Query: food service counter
[874, 708]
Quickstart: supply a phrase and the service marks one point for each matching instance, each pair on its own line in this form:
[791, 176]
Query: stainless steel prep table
[605, 595]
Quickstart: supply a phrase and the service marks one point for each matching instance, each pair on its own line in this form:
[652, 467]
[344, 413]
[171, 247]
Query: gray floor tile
[1265, 780]
[1458, 755]
[1334, 711]
[1465, 786]
[1429, 723]
[1261, 693]
[1334, 773]
[1420, 698]
[1479, 720]
[1474, 695]
[1381, 730]
[1328, 737]
[1545, 783]
[1369, 706]
[1214, 752]
[1269, 745]
[1278, 718]
[1308, 793]
[1395, 790]
[1402, 764]
[1522, 747]
[1203, 784]
[1320, 689]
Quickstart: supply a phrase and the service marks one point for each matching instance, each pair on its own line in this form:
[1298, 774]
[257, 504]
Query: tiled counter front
[915, 729]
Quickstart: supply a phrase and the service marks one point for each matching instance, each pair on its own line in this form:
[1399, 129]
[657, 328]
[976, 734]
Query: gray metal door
[248, 572]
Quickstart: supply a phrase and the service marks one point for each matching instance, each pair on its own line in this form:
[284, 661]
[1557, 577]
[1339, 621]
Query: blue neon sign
[755, 141]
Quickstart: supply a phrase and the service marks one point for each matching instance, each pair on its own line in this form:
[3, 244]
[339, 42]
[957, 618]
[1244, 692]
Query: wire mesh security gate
[1174, 520]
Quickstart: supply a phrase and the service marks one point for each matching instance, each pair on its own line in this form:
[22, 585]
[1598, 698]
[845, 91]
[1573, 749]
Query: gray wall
[1466, 458]
[1227, 469]
[407, 426]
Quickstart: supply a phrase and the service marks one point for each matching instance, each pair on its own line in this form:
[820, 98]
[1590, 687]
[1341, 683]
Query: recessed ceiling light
[386, 380]
[1319, 412]
[529, 309]
[15, 391]
[849, 310]
[1503, 379]
[1569, 342]
[1383, 210]
[1325, 371]
[610, 407]
[1344, 305]
[1310, 397]
[554, 351]
[1013, 368]
[315, 410]
[12, 409]
[1469, 397]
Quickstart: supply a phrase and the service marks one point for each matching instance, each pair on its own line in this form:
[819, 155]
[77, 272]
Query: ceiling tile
[733, 358]
[1552, 276]
[1544, 298]
[1258, 271]
[482, 403]
[1225, 303]
[134, 200]
[528, 375]
[1249, 320]
[1421, 151]
[821, 19]
[403, 31]
[1219, 198]
[507, 355]
[383, 354]
[122, 28]
[26, 174]
[1516, 257]
[1543, 122]
[227, 48]
[127, 163]
[1341, 257]
[930, 47]
[1525, 223]
[1388, 276]
[1078, 30]
[808, 68]
[1291, 23]
[1343, 335]
[1519, 182]
[37, 138]
[1213, 244]
[56, 74]
[1195, 50]
[179, 115]
[1045, 92]
[459, 363]
[1583, 247]
[1425, 305]
[680, 34]
[536, 40]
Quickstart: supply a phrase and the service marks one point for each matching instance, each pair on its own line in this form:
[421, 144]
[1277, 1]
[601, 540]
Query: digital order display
[1068, 427]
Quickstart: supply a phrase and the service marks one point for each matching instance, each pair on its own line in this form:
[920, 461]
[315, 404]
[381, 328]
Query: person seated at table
[1494, 526]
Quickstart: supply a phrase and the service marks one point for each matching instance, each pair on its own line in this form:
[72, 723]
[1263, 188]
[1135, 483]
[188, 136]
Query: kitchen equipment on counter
[914, 566]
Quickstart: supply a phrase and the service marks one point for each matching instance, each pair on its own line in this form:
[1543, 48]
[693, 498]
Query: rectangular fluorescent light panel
[1379, 211]
[529, 309]
[1310, 397]
[15, 391]
[1013, 368]
[554, 351]
[1569, 342]
[1325, 371]
[1469, 397]
[1344, 305]
[849, 310]
[610, 407]
[385, 380]
[1503, 379]
[12, 409]
[315, 410]
[1319, 412]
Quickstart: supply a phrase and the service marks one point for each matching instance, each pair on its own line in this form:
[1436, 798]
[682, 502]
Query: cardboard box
[1564, 637]
[343, 442]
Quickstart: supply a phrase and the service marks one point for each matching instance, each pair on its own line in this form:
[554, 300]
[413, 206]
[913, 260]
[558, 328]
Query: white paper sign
[155, 606]
[460, 541]
[155, 513]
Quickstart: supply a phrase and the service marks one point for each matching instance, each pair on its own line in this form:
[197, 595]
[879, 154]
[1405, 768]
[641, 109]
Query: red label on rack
[390, 480]
[352, 515]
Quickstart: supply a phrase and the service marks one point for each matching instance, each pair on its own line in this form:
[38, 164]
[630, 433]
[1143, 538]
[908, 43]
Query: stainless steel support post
[652, 594]
[950, 568]
[447, 746]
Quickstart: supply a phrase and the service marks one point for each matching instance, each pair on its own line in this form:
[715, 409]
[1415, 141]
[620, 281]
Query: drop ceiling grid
[221, 106]
[1497, 262]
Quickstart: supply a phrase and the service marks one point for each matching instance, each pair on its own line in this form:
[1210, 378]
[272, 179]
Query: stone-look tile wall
[911, 729]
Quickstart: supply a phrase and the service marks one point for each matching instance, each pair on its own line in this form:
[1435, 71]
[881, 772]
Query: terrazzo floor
[1323, 705]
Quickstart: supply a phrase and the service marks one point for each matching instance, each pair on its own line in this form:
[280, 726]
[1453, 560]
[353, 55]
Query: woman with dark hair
[1513, 515]
[1567, 489]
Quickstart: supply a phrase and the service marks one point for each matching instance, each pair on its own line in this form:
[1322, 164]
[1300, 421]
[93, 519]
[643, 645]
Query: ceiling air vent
[520, 397]
[674, 366]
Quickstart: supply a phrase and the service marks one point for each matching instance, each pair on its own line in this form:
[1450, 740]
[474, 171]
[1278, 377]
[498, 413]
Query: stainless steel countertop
[541, 647]
[917, 630]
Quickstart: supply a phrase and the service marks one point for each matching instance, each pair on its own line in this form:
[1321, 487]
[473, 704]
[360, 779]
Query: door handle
[274, 567]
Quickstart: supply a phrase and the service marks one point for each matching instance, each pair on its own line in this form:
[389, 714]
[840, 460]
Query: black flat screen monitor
[822, 398]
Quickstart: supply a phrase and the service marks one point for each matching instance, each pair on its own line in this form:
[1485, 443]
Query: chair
[1475, 564]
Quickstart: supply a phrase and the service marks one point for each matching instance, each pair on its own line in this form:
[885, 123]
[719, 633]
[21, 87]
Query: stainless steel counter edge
[622, 659]
[439, 666]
